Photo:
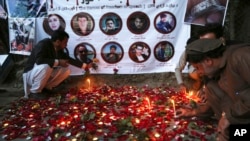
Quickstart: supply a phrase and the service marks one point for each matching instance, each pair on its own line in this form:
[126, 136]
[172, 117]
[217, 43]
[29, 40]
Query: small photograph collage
[110, 23]
[82, 24]
[113, 52]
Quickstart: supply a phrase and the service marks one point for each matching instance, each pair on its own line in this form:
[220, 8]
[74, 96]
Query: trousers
[43, 76]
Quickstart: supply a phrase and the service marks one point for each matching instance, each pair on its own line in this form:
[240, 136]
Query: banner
[132, 36]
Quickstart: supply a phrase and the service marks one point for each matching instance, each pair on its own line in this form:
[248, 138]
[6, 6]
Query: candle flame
[173, 107]
[88, 83]
[137, 121]
[63, 123]
[148, 101]
[191, 96]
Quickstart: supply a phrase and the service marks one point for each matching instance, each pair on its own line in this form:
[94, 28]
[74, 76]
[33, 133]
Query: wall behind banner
[148, 36]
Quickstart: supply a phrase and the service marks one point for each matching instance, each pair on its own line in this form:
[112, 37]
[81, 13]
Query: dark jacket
[234, 80]
[44, 53]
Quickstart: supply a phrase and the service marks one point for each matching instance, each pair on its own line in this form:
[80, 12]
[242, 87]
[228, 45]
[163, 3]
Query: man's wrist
[223, 114]
[84, 66]
[194, 112]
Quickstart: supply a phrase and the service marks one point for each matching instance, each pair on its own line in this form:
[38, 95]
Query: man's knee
[66, 71]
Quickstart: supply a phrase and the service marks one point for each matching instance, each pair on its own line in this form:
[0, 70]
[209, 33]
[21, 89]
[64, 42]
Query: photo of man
[82, 24]
[139, 52]
[138, 22]
[112, 52]
[164, 51]
[84, 52]
[110, 23]
[165, 22]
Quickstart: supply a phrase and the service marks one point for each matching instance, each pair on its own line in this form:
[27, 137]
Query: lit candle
[190, 95]
[88, 83]
[173, 107]
[148, 101]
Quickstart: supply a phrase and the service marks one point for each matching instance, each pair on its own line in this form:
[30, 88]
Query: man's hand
[185, 112]
[90, 65]
[84, 66]
[87, 66]
[202, 95]
[183, 88]
[63, 63]
[223, 128]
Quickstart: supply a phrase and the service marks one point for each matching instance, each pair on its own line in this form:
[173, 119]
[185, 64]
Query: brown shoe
[38, 96]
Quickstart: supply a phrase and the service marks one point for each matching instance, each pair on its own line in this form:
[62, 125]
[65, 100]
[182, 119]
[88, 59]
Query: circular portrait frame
[110, 23]
[49, 23]
[87, 24]
[139, 52]
[91, 52]
[138, 22]
[164, 51]
[165, 22]
[112, 52]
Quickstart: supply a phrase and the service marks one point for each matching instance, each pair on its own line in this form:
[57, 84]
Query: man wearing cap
[211, 31]
[163, 25]
[228, 86]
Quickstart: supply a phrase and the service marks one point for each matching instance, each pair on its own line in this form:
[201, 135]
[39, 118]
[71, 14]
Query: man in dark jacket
[228, 86]
[47, 66]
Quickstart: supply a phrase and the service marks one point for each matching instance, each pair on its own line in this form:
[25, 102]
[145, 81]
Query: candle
[88, 83]
[190, 95]
[173, 107]
[148, 101]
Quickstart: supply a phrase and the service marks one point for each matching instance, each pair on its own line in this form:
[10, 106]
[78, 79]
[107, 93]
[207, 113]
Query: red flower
[116, 69]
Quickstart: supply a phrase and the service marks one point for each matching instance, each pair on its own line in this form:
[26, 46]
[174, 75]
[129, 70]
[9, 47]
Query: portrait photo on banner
[112, 52]
[202, 12]
[22, 35]
[53, 22]
[110, 23]
[164, 51]
[138, 22]
[82, 24]
[139, 52]
[165, 22]
[84, 52]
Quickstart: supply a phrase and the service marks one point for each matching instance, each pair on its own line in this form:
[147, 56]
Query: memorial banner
[131, 37]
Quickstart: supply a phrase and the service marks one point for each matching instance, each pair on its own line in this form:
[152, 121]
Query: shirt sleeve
[179, 67]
